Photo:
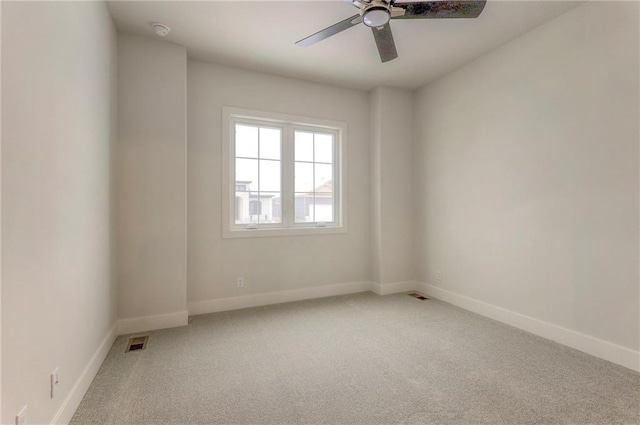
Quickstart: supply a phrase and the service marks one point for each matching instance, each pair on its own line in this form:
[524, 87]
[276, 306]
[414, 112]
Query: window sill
[298, 231]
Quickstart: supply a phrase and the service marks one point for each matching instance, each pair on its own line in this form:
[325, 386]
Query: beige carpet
[356, 359]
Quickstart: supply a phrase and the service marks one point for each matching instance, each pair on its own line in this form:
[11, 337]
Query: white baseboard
[394, 287]
[596, 347]
[151, 323]
[71, 403]
[245, 301]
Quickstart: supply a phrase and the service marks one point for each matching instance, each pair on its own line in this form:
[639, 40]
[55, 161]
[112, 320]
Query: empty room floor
[355, 359]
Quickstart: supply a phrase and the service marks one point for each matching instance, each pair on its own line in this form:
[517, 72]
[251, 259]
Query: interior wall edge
[606, 350]
[80, 387]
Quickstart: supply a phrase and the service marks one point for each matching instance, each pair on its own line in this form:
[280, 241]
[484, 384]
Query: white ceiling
[260, 35]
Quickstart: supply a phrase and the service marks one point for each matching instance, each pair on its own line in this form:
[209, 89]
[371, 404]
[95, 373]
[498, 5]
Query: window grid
[258, 158]
[314, 162]
[258, 201]
[314, 186]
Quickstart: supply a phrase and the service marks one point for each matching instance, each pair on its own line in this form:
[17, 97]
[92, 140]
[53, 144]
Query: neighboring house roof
[252, 196]
[325, 187]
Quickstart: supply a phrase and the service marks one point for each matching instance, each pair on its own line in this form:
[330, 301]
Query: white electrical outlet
[439, 275]
[240, 282]
[55, 381]
[21, 418]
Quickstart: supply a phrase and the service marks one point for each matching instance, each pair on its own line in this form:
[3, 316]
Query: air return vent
[137, 343]
[418, 296]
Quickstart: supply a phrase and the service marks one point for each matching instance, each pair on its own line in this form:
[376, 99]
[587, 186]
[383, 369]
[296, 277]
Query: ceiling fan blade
[329, 31]
[384, 41]
[440, 9]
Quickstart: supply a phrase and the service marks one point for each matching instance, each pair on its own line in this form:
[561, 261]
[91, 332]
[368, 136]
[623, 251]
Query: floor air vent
[137, 343]
[418, 296]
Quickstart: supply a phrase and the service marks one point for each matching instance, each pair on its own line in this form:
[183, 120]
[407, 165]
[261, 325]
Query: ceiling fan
[377, 13]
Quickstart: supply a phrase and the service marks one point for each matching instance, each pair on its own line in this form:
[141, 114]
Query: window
[282, 174]
[257, 176]
[313, 176]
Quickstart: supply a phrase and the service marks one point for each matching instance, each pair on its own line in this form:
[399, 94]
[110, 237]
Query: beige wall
[269, 263]
[151, 178]
[58, 124]
[523, 188]
[527, 175]
[392, 185]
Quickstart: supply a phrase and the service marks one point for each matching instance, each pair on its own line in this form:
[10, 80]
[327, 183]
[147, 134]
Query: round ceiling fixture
[376, 17]
[160, 29]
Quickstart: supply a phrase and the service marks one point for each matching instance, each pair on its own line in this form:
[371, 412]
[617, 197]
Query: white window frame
[288, 124]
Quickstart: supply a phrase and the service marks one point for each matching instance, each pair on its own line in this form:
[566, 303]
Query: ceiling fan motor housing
[376, 16]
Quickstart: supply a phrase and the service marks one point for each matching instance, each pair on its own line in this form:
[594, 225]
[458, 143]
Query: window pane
[324, 208]
[303, 146]
[246, 141]
[323, 178]
[323, 147]
[269, 176]
[270, 207]
[303, 177]
[247, 174]
[304, 208]
[243, 208]
[269, 143]
[255, 208]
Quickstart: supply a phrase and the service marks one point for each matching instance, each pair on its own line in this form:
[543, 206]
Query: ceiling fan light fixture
[376, 17]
